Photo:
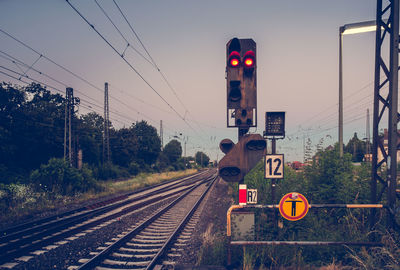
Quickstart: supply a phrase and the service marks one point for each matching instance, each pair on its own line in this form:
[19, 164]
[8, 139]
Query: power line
[14, 60]
[130, 26]
[128, 45]
[126, 61]
[60, 91]
[50, 60]
[154, 63]
[41, 55]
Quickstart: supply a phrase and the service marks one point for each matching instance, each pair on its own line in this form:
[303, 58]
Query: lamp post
[348, 29]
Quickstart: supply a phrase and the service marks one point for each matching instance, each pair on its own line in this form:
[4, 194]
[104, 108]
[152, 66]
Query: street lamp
[348, 29]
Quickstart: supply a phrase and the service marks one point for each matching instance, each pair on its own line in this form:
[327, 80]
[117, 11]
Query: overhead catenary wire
[15, 60]
[128, 45]
[82, 100]
[131, 66]
[59, 90]
[128, 63]
[333, 106]
[154, 63]
[19, 63]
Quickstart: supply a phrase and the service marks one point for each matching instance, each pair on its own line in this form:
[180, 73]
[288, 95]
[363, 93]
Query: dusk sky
[297, 62]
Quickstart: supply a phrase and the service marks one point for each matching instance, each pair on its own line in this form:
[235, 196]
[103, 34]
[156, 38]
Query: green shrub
[57, 177]
[134, 168]
[111, 171]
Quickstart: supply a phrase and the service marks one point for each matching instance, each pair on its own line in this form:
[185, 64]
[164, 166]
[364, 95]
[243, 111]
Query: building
[385, 146]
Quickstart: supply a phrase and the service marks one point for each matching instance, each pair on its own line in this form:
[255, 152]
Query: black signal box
[274, 124]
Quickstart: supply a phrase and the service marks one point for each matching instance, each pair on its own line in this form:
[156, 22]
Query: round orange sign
[293, 206]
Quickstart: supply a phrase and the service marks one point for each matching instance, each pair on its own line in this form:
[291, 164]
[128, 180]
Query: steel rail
[70, 220]
[97, 259]
[185, 220]
[25, 228]
[30, 224]
[26, 244]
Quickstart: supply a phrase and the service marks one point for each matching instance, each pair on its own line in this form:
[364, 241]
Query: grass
[24, 203]
[143, 180]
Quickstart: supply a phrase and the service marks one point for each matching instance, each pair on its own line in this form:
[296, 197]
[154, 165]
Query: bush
[111, 171]
[134, 168]
[14, 194]
[179, 165]
[57, 177]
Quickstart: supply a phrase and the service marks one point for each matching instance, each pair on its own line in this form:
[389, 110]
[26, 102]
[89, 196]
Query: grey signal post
[274, 129]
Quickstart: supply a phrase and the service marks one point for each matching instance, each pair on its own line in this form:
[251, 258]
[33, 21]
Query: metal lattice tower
[385, 103]
[69, 114]
[106, 132]
[368, 137]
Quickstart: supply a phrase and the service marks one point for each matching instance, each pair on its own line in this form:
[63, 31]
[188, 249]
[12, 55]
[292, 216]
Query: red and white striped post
[242, 194]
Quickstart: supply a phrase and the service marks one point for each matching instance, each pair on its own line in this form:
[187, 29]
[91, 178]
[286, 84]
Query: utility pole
[106, 133]
[69, 111]
[304, 148]
[161, 135]
[185, 139]
[340, 93]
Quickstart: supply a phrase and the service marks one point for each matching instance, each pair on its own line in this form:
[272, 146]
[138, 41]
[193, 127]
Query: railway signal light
[226, 145]
[242, 157]
[249, 60]
[241, 83]
[234, 59]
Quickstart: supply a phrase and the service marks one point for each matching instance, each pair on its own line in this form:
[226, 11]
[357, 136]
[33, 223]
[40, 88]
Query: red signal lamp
[249, 59]
[248, 62]
[234, 62]
[234, 59]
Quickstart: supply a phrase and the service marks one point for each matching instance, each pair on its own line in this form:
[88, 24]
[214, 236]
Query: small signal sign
[293, 206]
[252, 196]
[274, 166]
[274, 124]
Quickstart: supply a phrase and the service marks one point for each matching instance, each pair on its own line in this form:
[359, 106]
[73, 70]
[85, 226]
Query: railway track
[156, 240]
[22, 242]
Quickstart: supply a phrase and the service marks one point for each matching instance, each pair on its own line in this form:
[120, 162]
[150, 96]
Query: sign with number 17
[274, 166]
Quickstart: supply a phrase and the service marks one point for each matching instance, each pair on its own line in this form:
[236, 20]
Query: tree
[148, 143]
[90, 132]
[32, 127]
[162, 162]
[356, 148]
[139, 144]
[202, 159]
[123, 144]
[173, 151]
[330, 178]
[32, 132]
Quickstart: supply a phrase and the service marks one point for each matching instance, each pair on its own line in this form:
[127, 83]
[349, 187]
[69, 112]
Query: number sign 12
[274, 166]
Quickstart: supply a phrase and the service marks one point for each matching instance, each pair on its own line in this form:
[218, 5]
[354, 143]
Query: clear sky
[297, 60]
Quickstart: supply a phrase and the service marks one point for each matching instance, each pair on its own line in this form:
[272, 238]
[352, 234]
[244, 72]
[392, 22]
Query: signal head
[234, 59]
[249, 59]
